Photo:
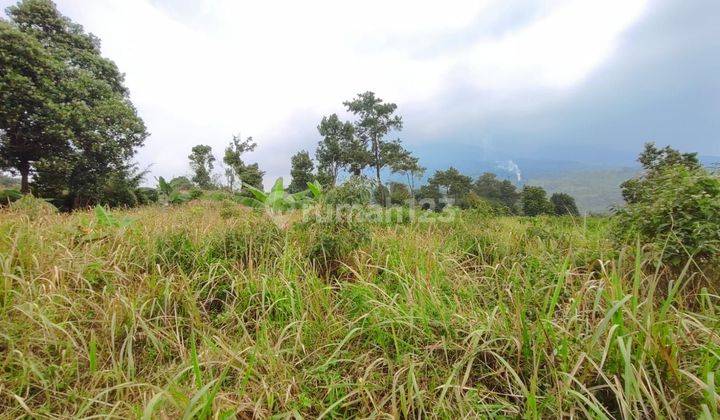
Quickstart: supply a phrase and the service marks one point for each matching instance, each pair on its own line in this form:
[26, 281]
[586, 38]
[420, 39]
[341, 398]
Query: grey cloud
[661, 84]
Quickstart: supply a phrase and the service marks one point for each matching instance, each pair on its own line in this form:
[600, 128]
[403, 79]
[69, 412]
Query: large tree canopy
[246, 174]
[301, 172]
[375, 120]
[334, 151]
[65, 112]
[202, 163]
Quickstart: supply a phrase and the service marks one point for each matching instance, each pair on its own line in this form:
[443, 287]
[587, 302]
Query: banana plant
[278, 200]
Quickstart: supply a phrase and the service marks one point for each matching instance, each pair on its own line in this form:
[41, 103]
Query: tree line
[353, 147]
[70, 131]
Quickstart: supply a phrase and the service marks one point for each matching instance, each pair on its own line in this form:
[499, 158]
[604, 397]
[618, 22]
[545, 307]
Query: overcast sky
[577, 80]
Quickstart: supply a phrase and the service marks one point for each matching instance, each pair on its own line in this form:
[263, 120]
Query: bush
[564, 204]
[195, 193]
[146, 195]
[399, 193]
[483, 206]
[534, 201]
[356, 190]
[248, 244]
[330, 243]
[677, 210]
[32, 207]
[9, 196]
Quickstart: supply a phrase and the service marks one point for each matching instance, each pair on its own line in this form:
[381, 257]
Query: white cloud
[200, 71]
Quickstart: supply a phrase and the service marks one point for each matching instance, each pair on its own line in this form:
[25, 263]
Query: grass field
[210, 310]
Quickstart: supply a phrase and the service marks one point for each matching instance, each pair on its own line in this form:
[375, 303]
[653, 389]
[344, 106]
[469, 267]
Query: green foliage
[301, 171]
[399, 193]
[202, 163]
[176, 251]
[64, 111]
[32, 207]
[190, 313]
[9, 196]
[676, 208]
[247, 244]
[147, 195]
[376, 119]
[277, 200]
[564, 204]
[330, 243]
[534, 201]
[483, 206]
[356, 190]
[238, 170]
[654, 161]
[170, 193]
[181, 183]
[31, 115]
[449, 184]
[337, 150]
[195, 193]
[104, 218]
[499, 192]
[407, 164]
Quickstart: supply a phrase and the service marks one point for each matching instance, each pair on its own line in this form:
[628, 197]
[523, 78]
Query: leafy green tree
[489, 187]
[181, 183]
[408, 165]
[336, 150]
[484, 206]
[31, 112]
[202, 163]
[375, 120]
[654, 161]
[450, 184]
[358, 189]
[677, 210]
[564, 204]
[246, 174]
[301, 171]
[535, 202]
[65, 113]
[147, 195]
[399, 193]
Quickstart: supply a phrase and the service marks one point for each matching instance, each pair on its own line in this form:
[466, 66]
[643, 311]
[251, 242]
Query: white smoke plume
[512, 167]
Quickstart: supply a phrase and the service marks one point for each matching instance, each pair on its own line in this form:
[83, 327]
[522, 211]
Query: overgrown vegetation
[211, 309]
[675, 206]
[463, 298]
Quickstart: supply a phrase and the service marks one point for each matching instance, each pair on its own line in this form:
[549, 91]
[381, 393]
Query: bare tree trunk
[376, 148]
[24, 168]
[410, 185]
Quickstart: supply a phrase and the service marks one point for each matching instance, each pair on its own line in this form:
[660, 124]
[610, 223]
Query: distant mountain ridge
[594, 184]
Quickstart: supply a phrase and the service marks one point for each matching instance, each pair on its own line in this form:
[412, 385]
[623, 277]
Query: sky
[585, 81]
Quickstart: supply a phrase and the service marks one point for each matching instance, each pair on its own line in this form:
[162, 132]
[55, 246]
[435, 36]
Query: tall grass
[210, 310]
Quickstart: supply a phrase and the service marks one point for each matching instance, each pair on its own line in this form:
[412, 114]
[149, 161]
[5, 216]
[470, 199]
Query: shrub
[677, 210]
[9, 196]
[483, 206]
[564, 204]
[356, 190]
[247, 244]
[330, 242]
[535, 202]
[399, 193]
[32, 207]
[146, 195]
[195, 193]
